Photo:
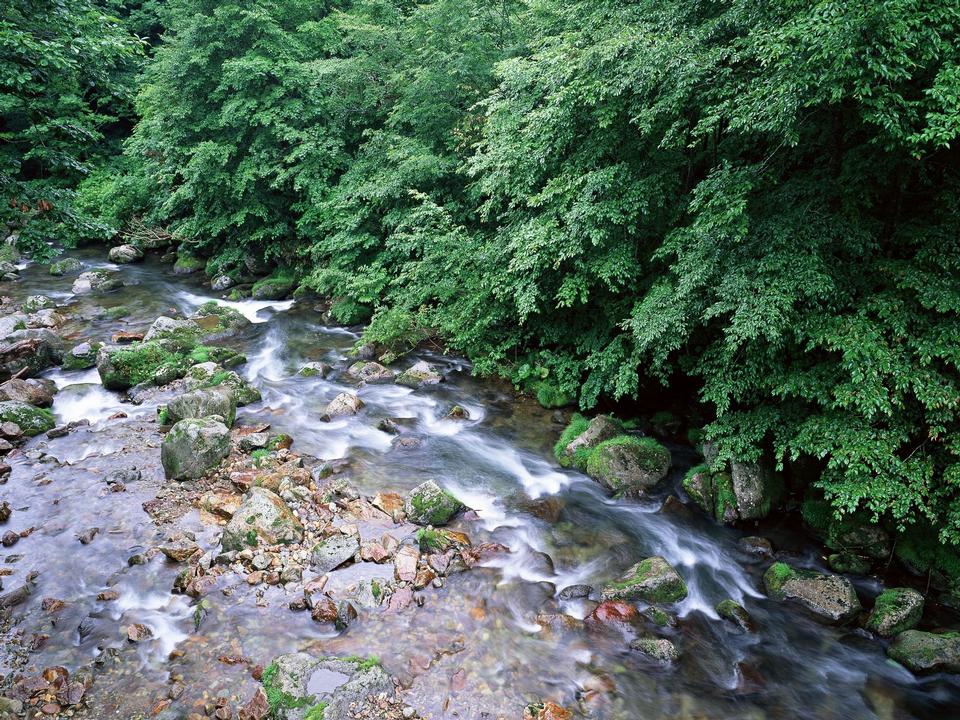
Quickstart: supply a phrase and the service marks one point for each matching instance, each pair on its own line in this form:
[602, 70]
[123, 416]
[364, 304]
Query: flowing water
[475, 648]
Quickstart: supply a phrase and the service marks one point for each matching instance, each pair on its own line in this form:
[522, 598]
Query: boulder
[217, 321]
[123, 366]
[182, 333]
[37, 302]
[275, 287]
[925, 652]
[342, 405]
[263, 517]
[736, 614]
[371, 372]
[187, 263]
[831, 598]
[660, 650]
[314, 369]
[894, 611]
[194, 447]
[30, 392]
[628, 464]
[747, 492]
[96, 281]
[653, 580]
[32, 350]
[418, 375]
[209, 374]
[48, 318]
[333, 552]
[429, 504]
[123, 254]
[82, 356]
[31, 420]
[218, 400]
[65, 266]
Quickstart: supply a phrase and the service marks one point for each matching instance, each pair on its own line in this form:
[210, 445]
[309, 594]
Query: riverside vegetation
[726, 227]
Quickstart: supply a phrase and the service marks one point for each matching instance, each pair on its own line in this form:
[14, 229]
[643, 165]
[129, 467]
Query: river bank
[506, 633]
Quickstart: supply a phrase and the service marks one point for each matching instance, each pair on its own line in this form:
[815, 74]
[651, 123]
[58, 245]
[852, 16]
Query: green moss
[32, 420]
[649, 454]
[578, 424]
[251, 537]
[921, 550]
[431, 540]
[316, 712]
[138, 363]
[278, 699]
[350, 312]
[362, 663]
[776, 576]
[163, 417]
[724, 496]
[187, 263]
[275, 287]
[550, 395]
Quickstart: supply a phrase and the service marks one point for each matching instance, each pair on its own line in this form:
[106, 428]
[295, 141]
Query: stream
[475, 648]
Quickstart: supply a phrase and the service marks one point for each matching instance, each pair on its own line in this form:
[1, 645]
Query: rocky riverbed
[222, 508]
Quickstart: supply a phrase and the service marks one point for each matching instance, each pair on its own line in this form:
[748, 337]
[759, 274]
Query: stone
[575, 592]
[600, 429]
[735, 613]
[343, 405]
[121, 367]
[405, 563]
[96, 281]
[65, 266]
[82, 356]
[653, 580]
[194, 447]
[182, 333]
[276, 287]
[138, 632]
[218, 321]
[333, 552]
[30, 392]
[262, 517]
[757, 488]
[31, 420]
[187, 263]
[123, 254]
[370, 372]
[659, 649]
[419, 375]
[209, 374]
[218, 400]
[315, 369]
[925, 652]
[29, 352]
[37, 302]
[831, 598]
[627, 464]
[895, 611]
[613, 613]
[429, 504]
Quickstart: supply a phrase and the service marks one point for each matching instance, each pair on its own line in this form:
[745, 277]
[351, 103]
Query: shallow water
[475, 649]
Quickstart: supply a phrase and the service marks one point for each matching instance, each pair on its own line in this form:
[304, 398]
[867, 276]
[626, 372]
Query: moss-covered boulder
[123, 366]
[181, 333]
[96, 281]
[29, 352]
[82, 356]
[217, 400]
[925, 652]
[370, 372]
[831, 598]
[65, 266]
[735, 613]
[654, 580]
[315, 369]
[194, 447]
[581, 436]
[262, 518]
[209, 374]
[894, 611]
[124, 254]
[660, 650]
[747, 492]
[37, 302]
[32, 420]
[429, 504]
[629, 465]
[419, 374]
[187, 263]
[275, 287]
[218, 321]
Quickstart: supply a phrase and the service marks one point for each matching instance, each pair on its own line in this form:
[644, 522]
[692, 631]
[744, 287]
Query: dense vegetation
[586, 196]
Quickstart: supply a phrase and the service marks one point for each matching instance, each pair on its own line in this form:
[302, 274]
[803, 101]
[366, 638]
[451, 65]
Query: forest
[749, 206]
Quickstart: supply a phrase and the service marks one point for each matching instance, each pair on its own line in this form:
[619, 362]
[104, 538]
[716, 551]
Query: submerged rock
[194, 447]
[315, 369]
[925, 652]
[418, 375]
[342, 405]
[829, 597]
[628, 464]
[262, 517]
[653, 580]
[429, 504]
[217, 400]
[31, 420]
[96, 281]
[735, 613]
[659, 649]
[894, 611]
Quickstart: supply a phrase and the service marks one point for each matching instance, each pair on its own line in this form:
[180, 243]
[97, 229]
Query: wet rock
[831, 598]
[848, 563]
[29, 352]
[179, 550]
[187, 263]
[256, 708]
[37, 302]
[757, 488]
[182, 333]
[30, 392]
[123, 254]
[546, 711]
[754, 545]
[575, 592]
[925, 652]
[209, 374]
[600, 429]
[275, 287]
[346, 614]
[342, 405]
[405, 563]
[218, 321]
[216, 400]
[10, 538]
[123, 476]
[419, 375]
[65, 266]
[87, 536]
[122, 367]
[30, 420]
[96, 281]
[735, 613]
[613, 613]
[370, 372]
[193, 447]
[82, 356]
[653, 580]
[333, 552]
[660, 650]
[429, 504]
[5, 511]
[254, 441]
[627, 464]
[895, 611]
[458, 412]
[315, 369]
[261, 517]
[138, 632]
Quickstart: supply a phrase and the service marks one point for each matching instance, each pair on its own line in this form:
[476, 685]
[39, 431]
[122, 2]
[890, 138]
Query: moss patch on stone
[776, 576]
[32, 420]
[578, 424]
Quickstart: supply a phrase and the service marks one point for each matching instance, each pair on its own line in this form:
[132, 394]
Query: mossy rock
[712, 492]
[429, 504]
[82, 356]
[735, 613]
[921, 551]
[182, 333]
[831, 598]
[218, 321]
[218, 400]
[209, 374]
[894, 611]
[581, 436]
[194, 447]
[627, 464]
[657, 649]
[275, 287]
[65, 266]
[925, 652]
[37, 302]
[123, 367]
[32, 420]
[652, 579]
[187, 264]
